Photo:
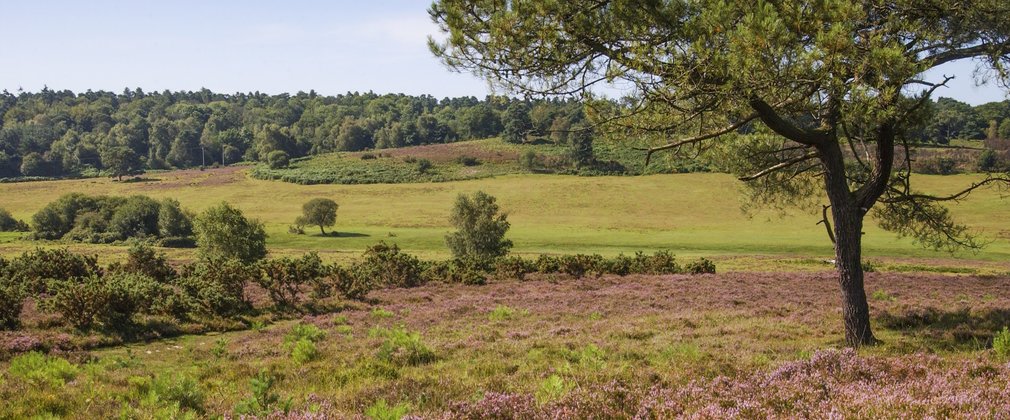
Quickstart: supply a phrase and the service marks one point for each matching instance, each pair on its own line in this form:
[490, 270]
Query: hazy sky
[269, 46]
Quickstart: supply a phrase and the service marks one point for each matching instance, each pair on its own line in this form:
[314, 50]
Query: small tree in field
[121, 161]
[321, 212]
[481, 228]
[223, 232]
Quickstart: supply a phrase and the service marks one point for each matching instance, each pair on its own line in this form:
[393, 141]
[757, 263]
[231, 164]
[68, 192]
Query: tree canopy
[320, 212]
[828, 90]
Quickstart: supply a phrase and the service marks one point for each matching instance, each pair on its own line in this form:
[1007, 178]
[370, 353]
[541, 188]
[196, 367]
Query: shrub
[513, 268]
[224, 232]
[347, 283]
[1001, 343]
[9, 224]
[41, 369]
[701, 266]
[284, 279]
[137, 217]
[937, 166]
[143, 259]
[529, 160]
[112, 300]
[467, 161]
[278, 159]
[216, 286]
[12, 299]
[401, 347]
[480, 228]
[34, 268]
[989, 161]
[423, 166]
[578, 265]
[386, 265]
[661, 262]
[177, 242]
[368, 156]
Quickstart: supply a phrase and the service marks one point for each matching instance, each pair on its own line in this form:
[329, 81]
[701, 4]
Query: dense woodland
[60, 133]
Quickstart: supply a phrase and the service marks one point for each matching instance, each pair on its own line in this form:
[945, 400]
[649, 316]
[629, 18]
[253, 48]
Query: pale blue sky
[253, 45]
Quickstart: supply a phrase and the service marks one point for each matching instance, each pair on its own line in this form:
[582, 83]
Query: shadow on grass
[341, 235]
[938, 328]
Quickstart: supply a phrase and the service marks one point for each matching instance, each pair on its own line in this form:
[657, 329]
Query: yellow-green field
[689, 214]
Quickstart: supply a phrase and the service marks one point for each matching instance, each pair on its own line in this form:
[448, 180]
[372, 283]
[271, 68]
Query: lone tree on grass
[481, 227]
[829, 87]
[320, 212]
[121, 160]
[223, 231]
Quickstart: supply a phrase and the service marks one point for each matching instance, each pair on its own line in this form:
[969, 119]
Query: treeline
[949, 119]
[60, 133]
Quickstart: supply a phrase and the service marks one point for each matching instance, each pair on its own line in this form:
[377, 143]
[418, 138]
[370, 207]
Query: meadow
[762, 338]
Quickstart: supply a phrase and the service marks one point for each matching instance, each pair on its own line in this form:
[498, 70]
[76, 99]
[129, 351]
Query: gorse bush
[142, 259]
[349, 284]
[12, 299]
[33, 269]
[385, 265]
[217, 286]
[701, 266]
[286, 279]
[111, 300]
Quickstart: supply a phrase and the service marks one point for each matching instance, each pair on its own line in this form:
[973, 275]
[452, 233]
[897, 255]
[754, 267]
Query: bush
[937, 166]
[401, 347]
[142, 259]
[216, 286]
[380, 410]
[112, 300]
[423, 166]
[579, 265]
[301, 341]
[513, 268]
[481, 229]
[9, 224]
[304, 351]
[177, 242]
[278, 159]
[12, 299]
[701, 266]
[368, 156]
[223, 231]
[386, 265]
[529, 160]
[180, 390]
[137, 217]
[285, 279]
[348, 284]
[264, 399]
[467, 161]
[33, 269]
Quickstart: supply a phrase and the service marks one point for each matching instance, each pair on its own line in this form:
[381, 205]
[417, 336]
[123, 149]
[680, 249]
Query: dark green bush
[286, 279]
[578, 265]
[348, 284]
[701, 266]
[454, 271]
[938, 165]
[513, 268]
[480, 229]
[33, 269]
[424, 165]
[12, 299]
[142, 259]
[385, 265]
[177, 242]
[137, 217]
[467, 161]
[278, 159]
[111, 300]
[9, 224]
[217, 286]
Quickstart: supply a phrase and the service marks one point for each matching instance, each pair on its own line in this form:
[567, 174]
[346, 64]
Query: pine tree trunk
[848, 227]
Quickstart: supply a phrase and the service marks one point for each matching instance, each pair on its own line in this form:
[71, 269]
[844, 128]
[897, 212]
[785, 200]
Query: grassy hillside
[464, 161]
[690, 214]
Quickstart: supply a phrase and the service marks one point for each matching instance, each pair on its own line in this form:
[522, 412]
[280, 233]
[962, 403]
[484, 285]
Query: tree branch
[780, 166]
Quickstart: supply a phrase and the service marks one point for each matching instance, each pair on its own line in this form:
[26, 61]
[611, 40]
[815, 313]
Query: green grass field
[689, 214]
